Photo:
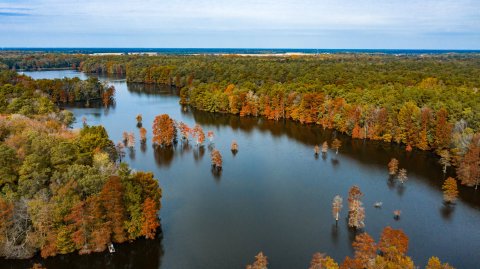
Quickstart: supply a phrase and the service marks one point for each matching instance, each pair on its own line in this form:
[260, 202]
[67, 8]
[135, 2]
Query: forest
[429, 102]
[23, 60]
[62, 190]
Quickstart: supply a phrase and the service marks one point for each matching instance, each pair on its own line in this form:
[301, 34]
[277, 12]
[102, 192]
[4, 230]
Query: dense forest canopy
[61, 190]
[430, 102]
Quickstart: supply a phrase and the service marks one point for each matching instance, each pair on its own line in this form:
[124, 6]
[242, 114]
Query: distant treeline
[36, 61]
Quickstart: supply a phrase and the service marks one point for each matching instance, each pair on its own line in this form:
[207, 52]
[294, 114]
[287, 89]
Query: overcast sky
[415, 24]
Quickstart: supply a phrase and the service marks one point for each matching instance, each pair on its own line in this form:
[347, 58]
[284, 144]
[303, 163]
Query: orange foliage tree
[216, 159]
[469, 169]
[261, 262]
[150, 219]
[164, 131]
[198, 134]
[112, 200]
[393, 166]
[356, 213]
[450, 191]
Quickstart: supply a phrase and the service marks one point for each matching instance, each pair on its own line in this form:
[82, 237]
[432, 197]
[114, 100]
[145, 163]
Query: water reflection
[163, 155]
[152, 89]
[198, 152]
[446, 211]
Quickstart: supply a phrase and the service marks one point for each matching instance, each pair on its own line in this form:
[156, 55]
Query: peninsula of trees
[62, 190]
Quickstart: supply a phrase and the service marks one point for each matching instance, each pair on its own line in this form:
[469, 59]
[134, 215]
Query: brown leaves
[164, 130]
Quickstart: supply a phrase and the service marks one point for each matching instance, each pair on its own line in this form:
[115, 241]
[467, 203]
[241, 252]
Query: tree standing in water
[125, 138]
[184, 131]
[164, 131]
[445, 159]
[356, 211]
[261, 262]
[337, 206]
[198, 134]
[450, 191]
[210, 136]
[336, 144]
[139, 120]
[131, 141]
[393, 167]
[325, 147]
[216, 159]
[143, 135]
[316, 150]
[234, 147]
[402, 175]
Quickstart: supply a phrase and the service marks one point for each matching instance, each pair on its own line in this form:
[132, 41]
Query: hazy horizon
[287, 24]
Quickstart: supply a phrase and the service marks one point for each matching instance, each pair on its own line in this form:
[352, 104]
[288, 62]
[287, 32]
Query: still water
[274, 195]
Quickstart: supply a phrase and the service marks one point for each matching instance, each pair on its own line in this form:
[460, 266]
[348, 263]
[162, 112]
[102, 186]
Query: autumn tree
[468, 170]
[356, 213]
[143, 135]
[150, 218]
[393, 244]
[216, 159]
[107, 96]
[336, 144]
[435, 263]
[324, 147]
[321, 261]
[184, 131]
[234, 147]
[337, 205]
[393, 166]
[198, 134]
[443, 129]
[139, 119]
[402, 175]
[131, 140]
[397, 213]
[210, 136]
[445, 159]
[365, 249]
[261, 262]
[450, 191]
[316, 150]
[112, 200]
[164, 131]
[125, 138]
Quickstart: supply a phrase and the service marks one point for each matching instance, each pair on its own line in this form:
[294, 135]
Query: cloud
[330, 20]
[12, 14]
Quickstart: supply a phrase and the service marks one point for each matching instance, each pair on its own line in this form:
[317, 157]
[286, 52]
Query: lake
[274, 195]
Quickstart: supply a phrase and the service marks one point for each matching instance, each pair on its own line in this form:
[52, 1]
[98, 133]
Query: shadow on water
[447, 210]
[152, 89]
[163, 156]
[141, 253]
